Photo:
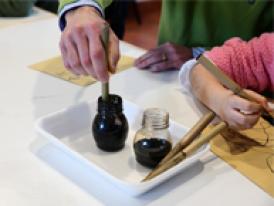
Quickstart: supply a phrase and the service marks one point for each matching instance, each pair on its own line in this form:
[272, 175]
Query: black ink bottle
[110, 126]
[152, 142]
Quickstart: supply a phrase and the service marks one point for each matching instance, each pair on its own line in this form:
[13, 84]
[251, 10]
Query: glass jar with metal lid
[153, 142]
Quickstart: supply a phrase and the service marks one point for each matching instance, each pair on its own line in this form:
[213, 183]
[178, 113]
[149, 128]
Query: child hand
[240, 113]
[259, 99]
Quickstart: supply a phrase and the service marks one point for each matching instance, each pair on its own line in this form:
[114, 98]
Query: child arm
[250, 64]
[237, 112]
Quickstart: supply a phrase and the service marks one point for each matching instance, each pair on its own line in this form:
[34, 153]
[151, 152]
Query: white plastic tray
[70, 129]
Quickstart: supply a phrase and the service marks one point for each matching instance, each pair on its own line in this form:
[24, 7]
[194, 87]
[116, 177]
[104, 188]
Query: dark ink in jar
[149, 152]
[110, 126]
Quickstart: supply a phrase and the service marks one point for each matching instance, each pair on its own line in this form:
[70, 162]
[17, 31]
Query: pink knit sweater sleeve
[250, 64]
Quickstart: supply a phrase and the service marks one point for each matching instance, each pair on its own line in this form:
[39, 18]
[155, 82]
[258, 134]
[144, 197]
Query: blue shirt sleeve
[196, 51]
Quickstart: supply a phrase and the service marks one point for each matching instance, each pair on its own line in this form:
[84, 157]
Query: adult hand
[165, 57]
[81, 47]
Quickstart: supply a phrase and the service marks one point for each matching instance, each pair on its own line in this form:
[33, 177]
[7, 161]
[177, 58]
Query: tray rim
[136, 188]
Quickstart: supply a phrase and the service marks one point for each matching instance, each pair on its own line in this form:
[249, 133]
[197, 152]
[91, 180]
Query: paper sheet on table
[56, 68]
[251, 159]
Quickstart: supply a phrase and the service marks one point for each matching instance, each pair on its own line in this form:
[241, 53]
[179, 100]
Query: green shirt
[15, 8]
[208, 23]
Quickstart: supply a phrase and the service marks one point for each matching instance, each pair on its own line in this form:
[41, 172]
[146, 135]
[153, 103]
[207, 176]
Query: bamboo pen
[189, 136]
[187, 151]
[180, 151]
[104, 39]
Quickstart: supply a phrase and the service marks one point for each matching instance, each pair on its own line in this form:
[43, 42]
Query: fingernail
[75, 73]
[136, 61]
[270, 105]
[140, 66]
[112, 66]
[112, 70]
[153, 70]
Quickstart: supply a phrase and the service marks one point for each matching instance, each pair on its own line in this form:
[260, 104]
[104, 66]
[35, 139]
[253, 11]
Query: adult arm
[250, 64]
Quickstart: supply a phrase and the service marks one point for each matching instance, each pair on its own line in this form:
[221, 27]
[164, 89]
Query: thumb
[259, 99]
[113, 52]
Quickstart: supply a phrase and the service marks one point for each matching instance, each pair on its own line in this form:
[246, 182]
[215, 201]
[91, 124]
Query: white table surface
[31, 176]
